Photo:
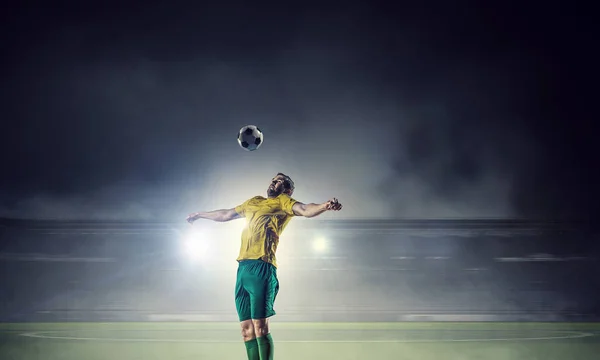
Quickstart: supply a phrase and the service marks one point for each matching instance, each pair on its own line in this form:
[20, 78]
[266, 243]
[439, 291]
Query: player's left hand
[334, 205]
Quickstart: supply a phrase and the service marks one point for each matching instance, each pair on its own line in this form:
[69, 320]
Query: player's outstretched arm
[216, 215]
[312, 210]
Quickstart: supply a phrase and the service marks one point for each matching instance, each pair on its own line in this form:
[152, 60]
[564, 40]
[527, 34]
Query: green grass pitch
[299, 341]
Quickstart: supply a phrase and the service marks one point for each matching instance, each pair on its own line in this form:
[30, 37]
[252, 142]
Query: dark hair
[288, 183]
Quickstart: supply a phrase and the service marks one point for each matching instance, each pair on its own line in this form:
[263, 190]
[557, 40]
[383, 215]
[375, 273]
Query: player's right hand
[191, 218]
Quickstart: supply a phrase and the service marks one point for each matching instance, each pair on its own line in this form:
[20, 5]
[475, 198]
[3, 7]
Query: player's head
[280, 184]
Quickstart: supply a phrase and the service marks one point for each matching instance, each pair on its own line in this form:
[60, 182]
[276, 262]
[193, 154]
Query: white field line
[48, 335]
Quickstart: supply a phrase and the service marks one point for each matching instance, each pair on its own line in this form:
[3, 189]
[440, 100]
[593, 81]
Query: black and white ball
[250, 137]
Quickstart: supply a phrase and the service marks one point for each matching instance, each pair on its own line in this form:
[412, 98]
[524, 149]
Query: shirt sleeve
[241, 209]
[287, 203]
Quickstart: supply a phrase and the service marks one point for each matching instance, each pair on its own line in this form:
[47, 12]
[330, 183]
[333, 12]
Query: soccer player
[257, 284]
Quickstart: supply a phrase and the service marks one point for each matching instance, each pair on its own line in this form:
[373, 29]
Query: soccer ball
[250, 137]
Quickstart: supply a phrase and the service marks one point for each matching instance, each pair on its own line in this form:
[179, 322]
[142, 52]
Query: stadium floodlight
[195, 245]
[320, 244]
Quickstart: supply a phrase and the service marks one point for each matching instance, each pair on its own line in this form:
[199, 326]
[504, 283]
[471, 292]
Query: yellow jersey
[265, 220]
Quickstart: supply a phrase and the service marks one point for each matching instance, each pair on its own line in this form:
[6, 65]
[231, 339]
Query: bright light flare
[195, 245]
[320, 244]
[195, 249]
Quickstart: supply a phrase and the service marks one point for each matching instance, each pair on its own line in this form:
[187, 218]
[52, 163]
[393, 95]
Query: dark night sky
[416, 111]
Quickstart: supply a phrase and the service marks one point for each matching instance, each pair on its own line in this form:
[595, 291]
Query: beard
[274, 192]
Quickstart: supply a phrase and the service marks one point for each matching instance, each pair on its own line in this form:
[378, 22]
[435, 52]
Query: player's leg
[261, 327]
[248, 333]
[249, 337]
[264, 338]
[242, 305]
[263, 286]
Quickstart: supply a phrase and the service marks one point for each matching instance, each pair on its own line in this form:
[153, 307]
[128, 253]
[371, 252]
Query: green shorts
[256, 287]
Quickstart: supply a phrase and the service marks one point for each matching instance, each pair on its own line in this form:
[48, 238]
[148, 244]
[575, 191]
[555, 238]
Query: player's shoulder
[286, 197]
[253, 200]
